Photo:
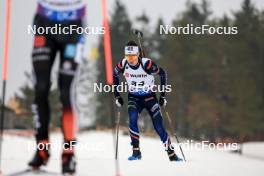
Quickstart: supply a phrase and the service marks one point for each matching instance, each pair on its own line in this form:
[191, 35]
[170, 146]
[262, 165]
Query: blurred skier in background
[63, 13]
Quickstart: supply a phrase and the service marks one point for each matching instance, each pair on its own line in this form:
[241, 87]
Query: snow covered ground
[253, 150]
[95, 155]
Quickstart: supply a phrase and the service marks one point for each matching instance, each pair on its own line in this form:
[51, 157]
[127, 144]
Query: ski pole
[117, 142]
[139, 35]
[5, 64]
[117, 134]
[173, 132]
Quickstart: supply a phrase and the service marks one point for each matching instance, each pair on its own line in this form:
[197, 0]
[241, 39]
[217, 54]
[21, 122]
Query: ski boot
[41, 157]
[68, 164]
[136, 155]
[172, 156]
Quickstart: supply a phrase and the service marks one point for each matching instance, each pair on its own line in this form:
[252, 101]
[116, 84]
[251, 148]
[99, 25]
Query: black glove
[119, 101]
[162, 101]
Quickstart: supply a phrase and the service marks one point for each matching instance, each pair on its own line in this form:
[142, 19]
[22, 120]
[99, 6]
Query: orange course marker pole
[109, 73]
[107, 45]
[4, 74]
[6, 45]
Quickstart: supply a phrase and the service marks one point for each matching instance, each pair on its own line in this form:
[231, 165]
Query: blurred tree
[188, 59]
[247, 72]
[158, 41]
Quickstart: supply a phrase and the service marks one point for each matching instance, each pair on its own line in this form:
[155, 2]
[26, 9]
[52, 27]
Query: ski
[31, 171]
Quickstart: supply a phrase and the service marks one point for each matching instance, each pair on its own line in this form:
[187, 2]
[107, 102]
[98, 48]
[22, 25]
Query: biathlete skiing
[63, 14]
[139, 73]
